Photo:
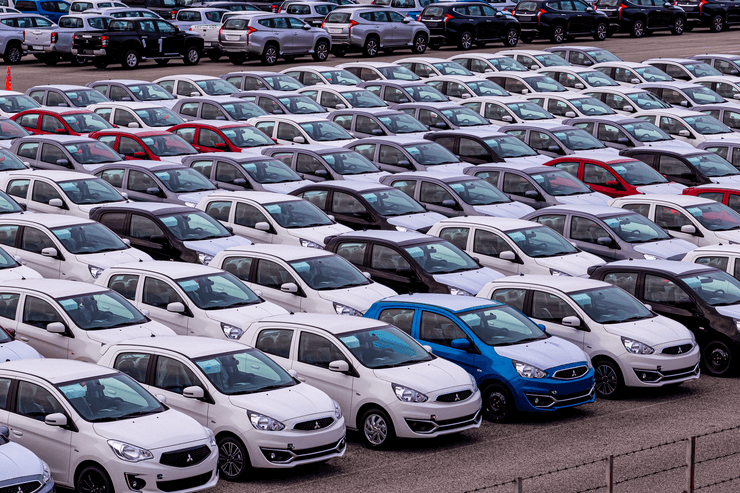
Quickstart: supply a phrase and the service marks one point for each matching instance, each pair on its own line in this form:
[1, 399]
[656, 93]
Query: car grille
[28, 487]
[185, 483]
[314, 424]
[185, 457]
[683, 348]
[455, 396]
[571, 373]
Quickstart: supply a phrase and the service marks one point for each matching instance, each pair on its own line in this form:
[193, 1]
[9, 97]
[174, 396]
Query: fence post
[518, 485]
[691, 465]
[610, 473]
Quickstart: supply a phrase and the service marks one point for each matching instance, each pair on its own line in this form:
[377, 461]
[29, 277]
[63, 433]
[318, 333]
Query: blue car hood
[544, 354]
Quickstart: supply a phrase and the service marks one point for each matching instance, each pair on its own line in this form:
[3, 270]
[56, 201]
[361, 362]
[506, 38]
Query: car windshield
[282, 82]
[441, 258]
[478, 192]
[150, 92]
[603, 56]
[321, 131]
[270, 171]
[243, 110]
[550, 60]
[716, 288]
[487, 88]
[349, 163]
[712, 165]
[301, 105]
[159, 117]
[246, 136]
[90, 191]
[541, 242]
[218, 292]
[701, 69]
[101, 311]
[246, 371]
[194, 226]
[216, 87]
[507, 64]
[464, 117]
[635, 228]
[715, 217]
[451, 68]
[392, 202]
[341, 77]
[87, 238]
[502, 326]
[431, 154]
[702, 95]
[652, 74]
[560, 183]
[597, 79]
[92, 153]
[328, 273]
[84, 123]
[16, 104]
[707, 125]
[508, 146]
[398, 73]
[645, 132]
[402, 124]
[425, 93]
[610, 305]
[591, 106]
[111, 397]
[384, 347]
[292, 214]
[85, 97]
[637, 173]
[362, 98]
[184, 180]
[8, 161]
[168, 145]
[578, 140]
[542, 83]
[8, 205]
[647, 101]
[528, 110]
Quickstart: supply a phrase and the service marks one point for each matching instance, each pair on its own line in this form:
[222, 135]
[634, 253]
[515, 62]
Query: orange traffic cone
[8, 82]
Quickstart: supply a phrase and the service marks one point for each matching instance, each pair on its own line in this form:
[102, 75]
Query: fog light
[541, 400]
[134, 483]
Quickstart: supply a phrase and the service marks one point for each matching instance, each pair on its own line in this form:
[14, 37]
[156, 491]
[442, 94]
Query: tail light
[250, 31]
[701, 4]
[351, 25]
[54, 37]
[219, 34]
[619, 11]
[104, 40]
[24, 36]
[173, 14]
[542, 11]
[447, 17]
[323, 22]
[274, 8]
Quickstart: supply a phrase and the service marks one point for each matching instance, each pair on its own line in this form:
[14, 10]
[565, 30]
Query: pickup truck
[11, 34]
[52, 46]
[131, 40]
[209, 33]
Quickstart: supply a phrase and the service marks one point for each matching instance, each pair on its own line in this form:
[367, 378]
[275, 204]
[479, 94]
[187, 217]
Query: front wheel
[638, 29]
[602, 29]
[192, 56]
[371, 47]
[130, 60]
[718, 24]
[512, 38]
[93, 479]
[678, 26]
[609, 382]
[270, 55]
[233, 459]
[558, 34]
[321, 51]
[717, 358]
[498, 403]
[466, 40]
[377, 428]
[420, 44]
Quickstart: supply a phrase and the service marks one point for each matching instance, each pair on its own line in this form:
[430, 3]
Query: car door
[246, 217]
[137, 184]
[145, 234]
[173, 375]
[550, 309]
[41, 194]
[487, 247]
[675, 169]
[521, 189]
[673, 219]
[495, 25]
[603, 179]
[302, 39]
[591, 236]
[171, 39]
[668, 298]
[150, 39]
[437, 198]
[36, 314]
[156, 294]
[388, 266]
[269, 276]
[350, 211]
[32, 242]
[438, 331]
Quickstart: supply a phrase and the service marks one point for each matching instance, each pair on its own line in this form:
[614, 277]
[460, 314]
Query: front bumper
[433, 418]
[658, 369]
[548, 394]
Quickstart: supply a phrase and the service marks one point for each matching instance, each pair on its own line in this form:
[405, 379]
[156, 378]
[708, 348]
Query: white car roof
[56, 288]
[53, 175]
[500, 223]
[189, 346]
[675, 112]
[47, 220]
[334, 324]
[564, 284]
[57, 371]
[173, 270]
[131, 105]
[287, 253]
[679, 200]
[259, 197]
[727, 249]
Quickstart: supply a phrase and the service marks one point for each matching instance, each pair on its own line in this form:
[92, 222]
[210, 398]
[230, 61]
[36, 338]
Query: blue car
[517, 365]
[51, 9]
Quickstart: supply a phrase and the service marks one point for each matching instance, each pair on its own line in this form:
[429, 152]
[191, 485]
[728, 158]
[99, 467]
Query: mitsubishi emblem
[680, 350]
[190, 459]
[574, 374]
[20, 490]
[457, 397]
[317, 426]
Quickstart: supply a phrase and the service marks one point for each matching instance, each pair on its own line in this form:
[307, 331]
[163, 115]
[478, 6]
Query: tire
[99, 63]
[638, 29]
[321, 51]
[717, 358]
[192, 56]
[371, 46]
[601, 32]
[78, 61]
[162, 61]
[233, 459]
[339, 52]
[512, 38]
[93, 479]
[678, 26]
[527, 39]
[376, 429]
[435, 45]
[466, 40]
[214, 55]
[717, 26]
[420, 44]
[609, 381]
[50, 60]
[270, 55]
[237, 59]
[13, 54]
[498, 403]
[690, 27]
[558, 34]
[130, 59]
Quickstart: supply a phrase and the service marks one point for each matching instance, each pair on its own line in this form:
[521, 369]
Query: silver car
[271, 36]
[371, 29]
[50, 49]
[312, 13]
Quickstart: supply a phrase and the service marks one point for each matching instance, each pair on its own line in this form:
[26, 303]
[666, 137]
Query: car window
[670, 218]
[51, 154]
[511, 296]
[549, 307]
[159, 294]
[307, 163]
[18, 188]
[139, 181]
[432, 193]
[402, 318]
[34, 240]
[353, 252]
[624, 280]
[343, 203]
[124, 284]
[387, 259]
[275, 341]
[490, 244]
[272, 275]
[35, 402]
[173, 376]
[133, 364]
[438, 329]
[39, 313]
[716, 262]
[456, 236]
[143, 227]
[43, 192]
[490, 176]
[664, 291]
[316, 197]
[238, 266]
[248, 215]
[28, 150]
[553, 221]
[318, 351]
[219, 210]
[587, 230]
[516, 184]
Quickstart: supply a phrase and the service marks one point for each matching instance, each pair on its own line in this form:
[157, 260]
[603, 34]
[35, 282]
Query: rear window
[526, 7]
[26, 6]
[337, 18]
[608, 3]
[73, 22]
[55, 7]
[118, 25]
[236, 24]
[433, 12]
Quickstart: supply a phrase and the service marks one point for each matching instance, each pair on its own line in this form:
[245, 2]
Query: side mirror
[133, 125]
[736, 96]
[684, 133]
[56, 328]
[635, 81]
[466, 96]
[240, 182]
[556, 149]
[262, 226]
[441, 125]
[377, 131]
[688, 229]
[449, 203]
[289, 287]
[293, 373]
[570, 114]
[628, 108]
[526, 91]
[604, 241]
[460, 344]
[427, 348]
[339, 366]
[685, 103]
[277, 112]
[299, 140]
[340, 106]
[404, 272]
[56, 419]
[306, 27]
[220, 145]
[126, 241]
[63, 162]
[667, 5]
[507, 255]
[649, 307]
[499, 14]
[49, 252]
[404, 163]
[407, 19]
[572, 321]
[193, 392]
[56, 203]
[367, 275]
[507, 119]
[322, 173]
[579, 86]
[532, 194]
[60, 131]
[195, 94]
[153, 190]
[612, 183]
[140, 154]
[161, 398]
[159, 239]
[176, 307]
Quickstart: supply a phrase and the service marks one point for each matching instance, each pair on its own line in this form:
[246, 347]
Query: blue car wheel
[498, 403]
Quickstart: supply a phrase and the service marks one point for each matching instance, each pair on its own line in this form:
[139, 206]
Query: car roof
[217, 123]
[212, 100]
[368, 111]
[317, 148]
[668, 266]
[603, 155]
[678, 84]
[132, 105]
[56, 288]
[368, 64]
[189, 346]
[173, 270]
[483, 133]
[398, 237]
[449, 302]
[334, 324]
[438, 106]
[122, 81]
[155, 208]
[680, 200]
[565, 284]
[435, 175]
[47, 220]
[61, 139]
[673, 60]
[51, 174]
[63, 87]
[259, 197]
[284, 252]
[679, 112]
[57, 371]
[540, 125]
[398, 139]
[720, 186]
[60, 110]
[293, 118]
[142, 164]
[354, 185]
[618, 119]
[500, 223]
[594, 210]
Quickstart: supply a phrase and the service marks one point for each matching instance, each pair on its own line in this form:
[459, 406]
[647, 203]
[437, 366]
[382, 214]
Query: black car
[704, 299]
[560, 20]
[690, 167]
[239, 6]
[481, 145]
[717, 15]
[467, 23]
[642, 17]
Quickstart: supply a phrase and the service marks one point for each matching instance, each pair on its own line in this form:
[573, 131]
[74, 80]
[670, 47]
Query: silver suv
[270, 36]
[371, 29]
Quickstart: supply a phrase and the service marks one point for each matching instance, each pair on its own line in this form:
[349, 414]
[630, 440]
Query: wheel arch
[82, 465]
[370, 405]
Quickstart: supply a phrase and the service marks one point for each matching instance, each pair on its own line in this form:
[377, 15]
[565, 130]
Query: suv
[561, 19]
[642, 17]
[467, 23]
[690, 167]
[717, 15]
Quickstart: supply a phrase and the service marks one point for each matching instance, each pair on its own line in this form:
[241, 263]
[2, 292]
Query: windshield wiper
[135, 414]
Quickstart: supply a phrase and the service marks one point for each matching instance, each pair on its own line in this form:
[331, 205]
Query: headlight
[211, 437]
[458, 291]
[337, 410]
[47, 473]
[650, 257]
[232, 331]
[554, 272]
[204, 258]
[311, 244]
[95, 271]
[406, 394]
[528, 371]
[474, 383]
[405, 230]
[637, 347]
[737, 324]
[346, 310]
[588, 361]
[128, 452]
[264, 423]
[190, 204]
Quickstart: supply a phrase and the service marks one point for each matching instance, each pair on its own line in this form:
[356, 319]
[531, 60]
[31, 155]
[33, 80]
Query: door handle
[18, 433]
[24, 339]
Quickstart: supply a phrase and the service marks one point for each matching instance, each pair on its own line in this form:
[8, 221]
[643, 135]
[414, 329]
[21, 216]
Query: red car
[145, 143]
[215, 136]
[616, 176]
[725, 194]
[60, 121]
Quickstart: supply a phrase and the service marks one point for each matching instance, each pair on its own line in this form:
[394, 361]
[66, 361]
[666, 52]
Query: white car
[302, 129]
[64, 247]
[384, 381]
[71, 320]
[338, 97]
[303, 279]
[59, 192]
[687, 125]
[626, 100]
[262, 416]
[727, 86]
[11, 269]
[578, 78]
[483, 63]
[508, 109]
[722, 257]
[629, 345]
[631, 73]
[19, 467]
[12, 102]
[136, 114]
[191, 299]
[96, 426]
[683, 68]
[368, 71]
[570, 104]
[266, 217]
[425, 67]
[311, 75]
[535, 59]
[515, 247]
[460, 87]
[697, 220]
[187, 85]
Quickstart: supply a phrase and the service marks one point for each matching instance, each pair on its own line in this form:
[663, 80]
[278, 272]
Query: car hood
[171, 159]
[358, 297]
[17, 461]
[507, 209]
[471, 281]
[245, 315]
[544, 354]
[367, 177]
[15, 350]
[533, 160]
[670, 188]
[651, 331]
[576, 264]
[6, 143]
[215, 245]
[669, 144]
[88, 207]
[416, 221]
[108, 259]
[730, 180]
[287, 403]
[194, 197]
[594, 198]
[153, 431]
[729, 311]
[317, 234]
[286, 187]
[427, 376]
[733, 236]
[114, 336]
[17, 273]
[665, 248]
[456, 168]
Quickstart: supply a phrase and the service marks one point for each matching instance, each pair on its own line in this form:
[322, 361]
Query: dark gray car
[63, 152]
[259, 80]
[281, 102]
[223, 108]
[321, 163]
[367, 122]
[133, 90]
[584, 55]
[396, 91]
[555, 139]
[443, 116]
[623, 132]
[398, 154]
